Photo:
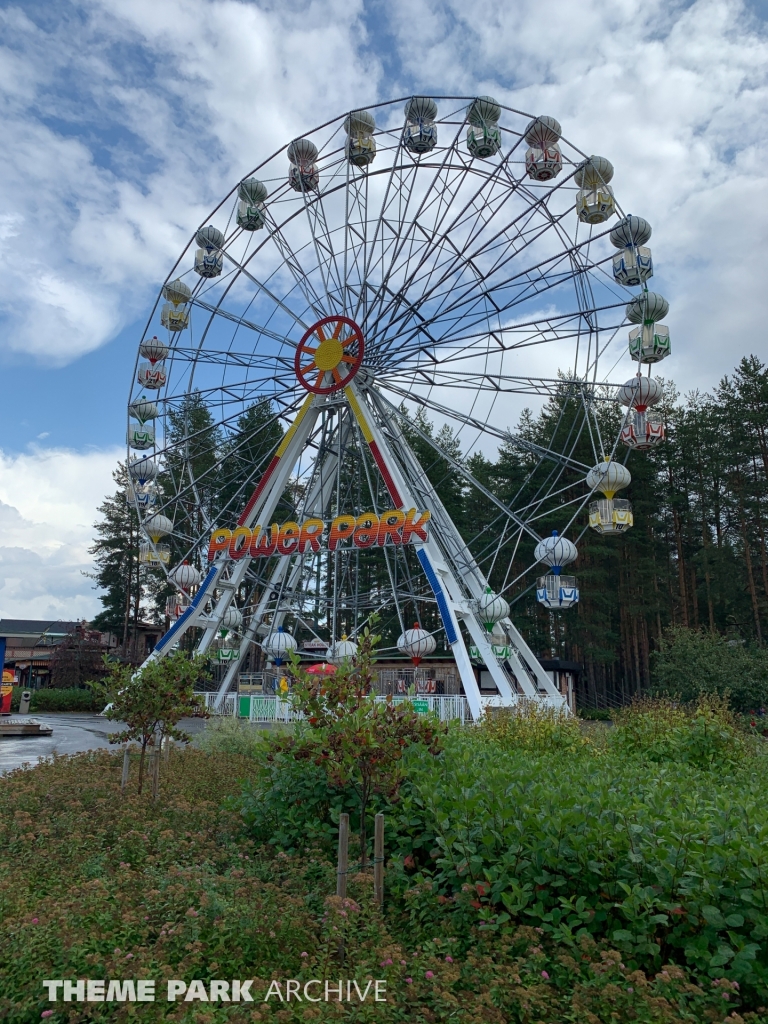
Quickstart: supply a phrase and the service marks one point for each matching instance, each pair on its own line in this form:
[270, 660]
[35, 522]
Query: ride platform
[12, 728]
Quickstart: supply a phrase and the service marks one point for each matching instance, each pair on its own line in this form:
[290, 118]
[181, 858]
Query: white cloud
[121, 134]
[48, 502]
[124, 126]
[675, 96]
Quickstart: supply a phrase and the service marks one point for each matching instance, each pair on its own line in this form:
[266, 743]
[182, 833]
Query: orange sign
[364, 531]
[6, 691]
[8, 676]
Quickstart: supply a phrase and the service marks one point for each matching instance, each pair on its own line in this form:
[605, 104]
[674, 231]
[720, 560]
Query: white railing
[228, 705]
[273, 708]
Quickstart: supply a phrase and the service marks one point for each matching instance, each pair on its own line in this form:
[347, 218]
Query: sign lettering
[370, 529]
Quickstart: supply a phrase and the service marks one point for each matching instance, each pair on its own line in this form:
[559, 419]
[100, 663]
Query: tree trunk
[750, 575]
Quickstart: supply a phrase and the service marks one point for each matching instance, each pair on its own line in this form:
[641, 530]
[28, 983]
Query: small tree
[152, 701]
[358, 741]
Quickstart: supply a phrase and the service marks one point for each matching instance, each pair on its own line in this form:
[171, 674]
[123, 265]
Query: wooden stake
[167, 745]
[155, 771]
[378, 859]
[343, 862]
[126, 767]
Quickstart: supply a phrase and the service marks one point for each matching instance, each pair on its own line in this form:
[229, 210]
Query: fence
[273, 708]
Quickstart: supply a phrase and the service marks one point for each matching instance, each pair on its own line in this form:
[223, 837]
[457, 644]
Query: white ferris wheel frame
[456, 580]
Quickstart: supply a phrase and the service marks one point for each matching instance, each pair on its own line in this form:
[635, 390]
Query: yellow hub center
[329, 353]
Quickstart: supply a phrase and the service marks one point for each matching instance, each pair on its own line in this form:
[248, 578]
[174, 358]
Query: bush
[531, 725]
[704, 734]
[227, 735]
[662, 860]
[58, 700]
[99, 886]
[595, 714]
[690, 663]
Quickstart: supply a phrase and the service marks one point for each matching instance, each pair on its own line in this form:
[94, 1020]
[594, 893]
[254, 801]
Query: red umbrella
[321, 669]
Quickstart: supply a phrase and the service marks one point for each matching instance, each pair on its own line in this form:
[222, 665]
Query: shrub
[662, 860]
[358, 742]
[58, 700]
[692, 662]
[227, 735]
[102, 887]
[704, 734]
[595, 714]
[531, 725]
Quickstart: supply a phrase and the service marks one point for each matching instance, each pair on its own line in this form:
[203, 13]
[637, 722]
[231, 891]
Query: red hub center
[329, 355]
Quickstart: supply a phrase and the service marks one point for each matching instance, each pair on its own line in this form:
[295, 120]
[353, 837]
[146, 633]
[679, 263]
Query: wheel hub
[329, 355]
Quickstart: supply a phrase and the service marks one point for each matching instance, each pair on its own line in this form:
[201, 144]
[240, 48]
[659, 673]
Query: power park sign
[364, 531]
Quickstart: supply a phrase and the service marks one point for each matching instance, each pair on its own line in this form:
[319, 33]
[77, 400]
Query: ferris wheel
[399, 269]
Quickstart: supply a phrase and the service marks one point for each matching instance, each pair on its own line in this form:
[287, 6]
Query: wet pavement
[72, 734]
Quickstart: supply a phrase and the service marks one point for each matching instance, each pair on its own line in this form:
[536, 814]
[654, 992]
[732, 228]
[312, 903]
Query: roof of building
[36, 627]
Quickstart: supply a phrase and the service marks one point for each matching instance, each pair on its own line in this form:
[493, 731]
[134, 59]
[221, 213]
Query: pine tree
[116, 558]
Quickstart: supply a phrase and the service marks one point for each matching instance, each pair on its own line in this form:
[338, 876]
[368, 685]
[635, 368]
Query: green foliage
[152, 701]
[231, 736]
[102, 887]
[358, 742]
[84, 700]
[115, 551]
[704, 734]
[291, 805]
[531, 725]
[662, 859]
[595, 714]
[691, 662]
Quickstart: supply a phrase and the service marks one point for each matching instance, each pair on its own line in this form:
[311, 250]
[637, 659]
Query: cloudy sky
[124, 123]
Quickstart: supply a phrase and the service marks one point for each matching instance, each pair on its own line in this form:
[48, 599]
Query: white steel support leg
[475, 583]
[317, 499]
[288, 455]
[445, 588]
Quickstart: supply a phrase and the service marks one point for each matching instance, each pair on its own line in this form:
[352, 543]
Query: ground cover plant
[102, 887]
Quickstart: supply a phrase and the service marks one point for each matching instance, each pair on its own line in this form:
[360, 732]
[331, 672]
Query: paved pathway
[72, 733]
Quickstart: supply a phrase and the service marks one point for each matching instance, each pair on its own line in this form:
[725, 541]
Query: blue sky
[124, 123]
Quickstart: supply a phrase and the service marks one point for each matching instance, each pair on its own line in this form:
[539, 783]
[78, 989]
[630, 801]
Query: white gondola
[145, 497]
[185, 576]
[484, 134]
[141, 430]
[209, 260]
[648, 343]
[360, 147]
[156, 552]
[303, 175]
[632, 264]
[416, 644]
[491, 609]
[595, 202]
[250, 209]
[420, 132]
[609, 515]
[279, 644]
[554, 590]
[341, 651]
[543, 160]
[152, 376]
[153, 350]
[643, 428]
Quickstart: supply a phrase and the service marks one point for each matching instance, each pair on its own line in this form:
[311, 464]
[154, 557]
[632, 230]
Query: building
[31, 646]
[28, 646]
